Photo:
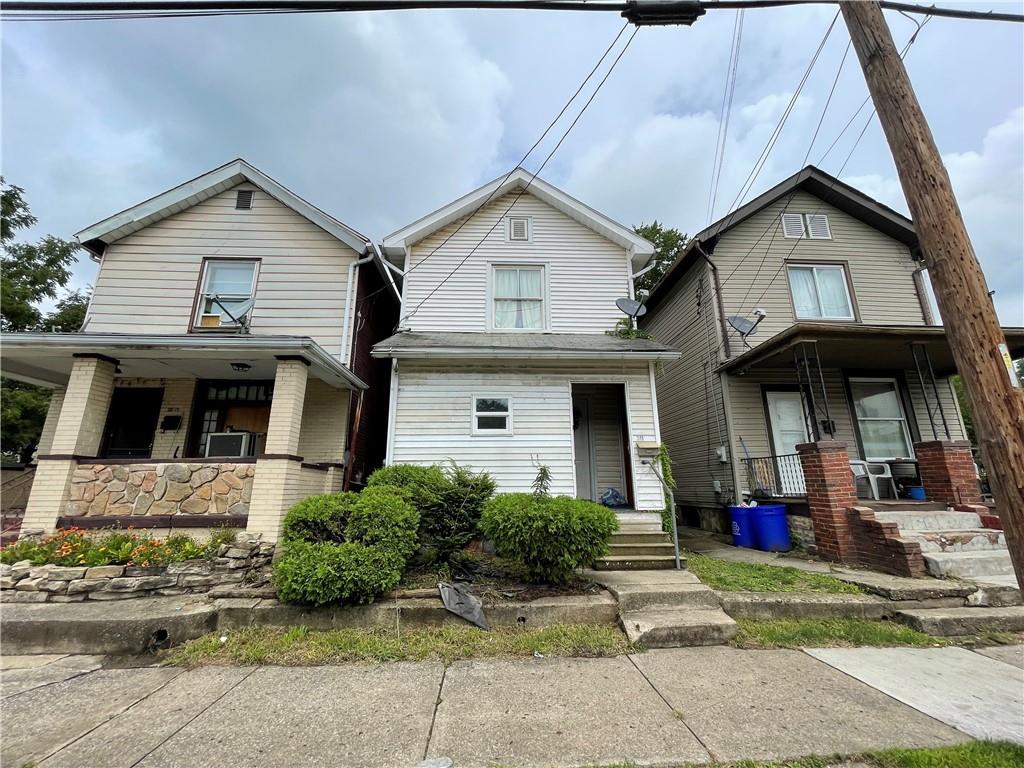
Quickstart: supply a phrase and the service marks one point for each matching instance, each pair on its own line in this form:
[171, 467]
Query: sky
[381, 118]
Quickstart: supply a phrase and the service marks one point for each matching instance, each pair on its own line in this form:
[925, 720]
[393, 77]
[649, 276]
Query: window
[820, 292]
[226, 293]
[492, 416]
[880, 419]
[802, 226]
[518, 299]
[519, 228]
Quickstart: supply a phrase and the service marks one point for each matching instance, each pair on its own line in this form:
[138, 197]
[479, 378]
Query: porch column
[830, 494]
[947, 471]
[81, 413]
[50, 424]
[278, 470]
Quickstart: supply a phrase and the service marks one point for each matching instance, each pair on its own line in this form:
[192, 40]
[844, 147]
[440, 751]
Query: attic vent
[243, 202]
[518, 228]
[817, 226]
[801, 226]
[793, 225]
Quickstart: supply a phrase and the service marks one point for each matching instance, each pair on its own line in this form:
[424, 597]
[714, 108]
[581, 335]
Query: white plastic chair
[873, 472]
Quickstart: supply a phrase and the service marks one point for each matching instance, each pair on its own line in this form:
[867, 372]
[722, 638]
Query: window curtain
[832, 290]
[805, 298]
[518, 298]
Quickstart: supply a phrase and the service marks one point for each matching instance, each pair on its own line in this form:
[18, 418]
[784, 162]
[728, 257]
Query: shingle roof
[528, 344]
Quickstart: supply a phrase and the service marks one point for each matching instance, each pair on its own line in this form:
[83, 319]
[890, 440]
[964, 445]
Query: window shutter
[518, 229]
[243, 200]
[818, 227]
[793, 225]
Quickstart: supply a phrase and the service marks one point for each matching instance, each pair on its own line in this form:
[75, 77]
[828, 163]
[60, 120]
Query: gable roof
[640, 250]
[810, 179]
[103, 233]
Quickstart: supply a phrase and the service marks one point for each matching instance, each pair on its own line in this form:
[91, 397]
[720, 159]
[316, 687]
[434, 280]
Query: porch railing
[770, 476]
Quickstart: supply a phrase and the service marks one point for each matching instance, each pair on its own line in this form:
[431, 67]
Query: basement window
[492, 416]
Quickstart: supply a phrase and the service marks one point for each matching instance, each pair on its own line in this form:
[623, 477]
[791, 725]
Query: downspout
[718, 300]
[922, 296]
[346, 341]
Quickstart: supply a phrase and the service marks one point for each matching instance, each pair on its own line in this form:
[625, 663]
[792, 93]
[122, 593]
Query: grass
[752, 577]
[301, 646]
[819, 633]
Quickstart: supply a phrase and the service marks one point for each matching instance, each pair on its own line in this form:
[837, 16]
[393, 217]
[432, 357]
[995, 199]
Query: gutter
[519, 354]
[346, 340]
[718, 299]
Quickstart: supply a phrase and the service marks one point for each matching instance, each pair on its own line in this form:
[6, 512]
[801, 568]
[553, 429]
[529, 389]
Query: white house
[502, 360]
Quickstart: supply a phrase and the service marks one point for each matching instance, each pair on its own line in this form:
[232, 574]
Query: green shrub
[319, 518]
[550, 536]
[449, 502]
[345, 547]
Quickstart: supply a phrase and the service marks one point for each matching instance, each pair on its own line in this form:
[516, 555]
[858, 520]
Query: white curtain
[805, 298]
[832, 290]
[518, 298]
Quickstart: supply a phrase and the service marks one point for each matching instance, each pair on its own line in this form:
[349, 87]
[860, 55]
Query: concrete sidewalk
[660, 708]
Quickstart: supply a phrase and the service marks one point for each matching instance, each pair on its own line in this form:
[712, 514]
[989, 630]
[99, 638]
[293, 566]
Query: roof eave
[521, 354]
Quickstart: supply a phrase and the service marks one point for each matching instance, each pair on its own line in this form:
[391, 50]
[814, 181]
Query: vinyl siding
[880, 268]
[689, 394]
[433, 421]
[585, 272]
[148, 281]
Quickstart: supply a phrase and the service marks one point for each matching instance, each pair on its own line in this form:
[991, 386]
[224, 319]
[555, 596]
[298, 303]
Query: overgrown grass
[752, 577]
[299, 646]
[818, 633]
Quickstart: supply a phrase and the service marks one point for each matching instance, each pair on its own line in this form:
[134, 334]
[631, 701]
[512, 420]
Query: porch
[182, 432]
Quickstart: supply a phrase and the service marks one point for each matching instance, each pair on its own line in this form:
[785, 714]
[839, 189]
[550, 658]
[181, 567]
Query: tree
[668, 244]
[30, 273]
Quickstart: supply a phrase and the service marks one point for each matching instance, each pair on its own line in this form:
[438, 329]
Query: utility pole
[975, 337]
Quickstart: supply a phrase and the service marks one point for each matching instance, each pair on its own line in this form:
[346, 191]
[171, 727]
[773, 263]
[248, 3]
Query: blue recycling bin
[742, 527]
[771, 530]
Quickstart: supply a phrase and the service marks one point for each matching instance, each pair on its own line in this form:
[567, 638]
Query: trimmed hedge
[449, 501]
[550, 536]
[345, 547]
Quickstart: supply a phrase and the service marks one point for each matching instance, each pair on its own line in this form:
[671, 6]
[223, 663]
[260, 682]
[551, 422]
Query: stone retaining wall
[246, 560]
[160, 489]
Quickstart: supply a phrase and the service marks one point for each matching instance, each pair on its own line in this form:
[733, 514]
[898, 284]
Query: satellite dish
[742, 325]
[631, 307]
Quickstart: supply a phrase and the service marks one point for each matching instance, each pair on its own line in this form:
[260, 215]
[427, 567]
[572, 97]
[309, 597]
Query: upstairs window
[820, 292]
[226, 293]
[492, 416]
[804, 226]
[518, 298]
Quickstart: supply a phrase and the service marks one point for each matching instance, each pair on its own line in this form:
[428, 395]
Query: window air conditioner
[229, 443]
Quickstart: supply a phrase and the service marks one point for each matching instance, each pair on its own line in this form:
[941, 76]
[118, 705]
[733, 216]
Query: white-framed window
[517, 297]
[518, 228]
[226, 292]
[806, 226]
[880, 419]
[820, 292]
[492, 415]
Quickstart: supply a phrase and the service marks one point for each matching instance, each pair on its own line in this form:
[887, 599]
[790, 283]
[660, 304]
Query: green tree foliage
[30, 273]
[668, 245]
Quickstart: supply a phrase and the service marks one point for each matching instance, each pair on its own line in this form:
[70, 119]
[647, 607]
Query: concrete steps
[638, 545]
[947, 622]
[660, 548]
[969, 565]
[979, 539]
[641, 563]
[675, 628]
[937, 520]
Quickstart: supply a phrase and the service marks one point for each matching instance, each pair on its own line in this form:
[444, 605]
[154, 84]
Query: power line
[728, 91]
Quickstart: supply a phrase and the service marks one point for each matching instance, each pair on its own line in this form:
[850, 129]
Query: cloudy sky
[380, 118]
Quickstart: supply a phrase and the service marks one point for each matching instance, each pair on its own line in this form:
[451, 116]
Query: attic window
[802, 226]
[518, 228]
[243, 201]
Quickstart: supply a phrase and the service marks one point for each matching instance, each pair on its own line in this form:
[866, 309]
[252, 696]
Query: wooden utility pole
[975, 338]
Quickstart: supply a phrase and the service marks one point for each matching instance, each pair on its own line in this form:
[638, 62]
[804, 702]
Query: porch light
[241, 367]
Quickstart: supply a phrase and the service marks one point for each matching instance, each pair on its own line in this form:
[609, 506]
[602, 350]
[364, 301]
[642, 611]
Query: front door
[582, 448]
[789, 429]
[131, 422]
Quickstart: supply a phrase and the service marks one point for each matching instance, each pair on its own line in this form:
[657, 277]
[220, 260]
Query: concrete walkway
[660, 708]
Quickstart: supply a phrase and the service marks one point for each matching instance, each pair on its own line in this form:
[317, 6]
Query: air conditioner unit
[229, 444]
[209, 321]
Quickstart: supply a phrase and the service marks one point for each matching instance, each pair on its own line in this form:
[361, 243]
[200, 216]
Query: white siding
[433, 424]
[148, 281]
[586, 273]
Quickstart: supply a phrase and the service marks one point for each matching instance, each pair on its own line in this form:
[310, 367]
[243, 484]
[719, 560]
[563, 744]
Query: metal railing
[770, 476]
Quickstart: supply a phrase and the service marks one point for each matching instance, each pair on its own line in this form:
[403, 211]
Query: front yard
[731, 576]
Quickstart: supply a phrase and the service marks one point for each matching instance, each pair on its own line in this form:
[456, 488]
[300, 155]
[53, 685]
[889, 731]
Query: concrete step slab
[799, 605]
[635, 597]
[678, 627]
[969, 565]
[979, 539]
[904, 505]
[637, 563]
[641, 550]
[947, 622]
[930, 521]
[641, 537]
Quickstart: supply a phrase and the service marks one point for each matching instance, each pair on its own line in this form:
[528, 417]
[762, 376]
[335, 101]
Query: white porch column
[278, 470]
[50, 424]
[80, 417]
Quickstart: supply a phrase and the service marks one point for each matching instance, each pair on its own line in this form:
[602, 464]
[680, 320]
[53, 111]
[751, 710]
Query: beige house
[502, 361]
[222, 373]
[804, 316]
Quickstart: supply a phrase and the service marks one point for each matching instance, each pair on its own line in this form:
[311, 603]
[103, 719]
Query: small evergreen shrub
[345, 547]
[449, 501]
[550, 536]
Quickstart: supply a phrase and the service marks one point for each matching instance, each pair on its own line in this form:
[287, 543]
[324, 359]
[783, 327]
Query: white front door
[582, 448]
[789, 429]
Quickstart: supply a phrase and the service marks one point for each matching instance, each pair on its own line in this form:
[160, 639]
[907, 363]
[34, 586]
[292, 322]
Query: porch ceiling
[854, 345]
[46, 358]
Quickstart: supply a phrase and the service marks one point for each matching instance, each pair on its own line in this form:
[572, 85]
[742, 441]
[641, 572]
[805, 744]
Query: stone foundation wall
[801, 531]
[160, 489]
[244, 561]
